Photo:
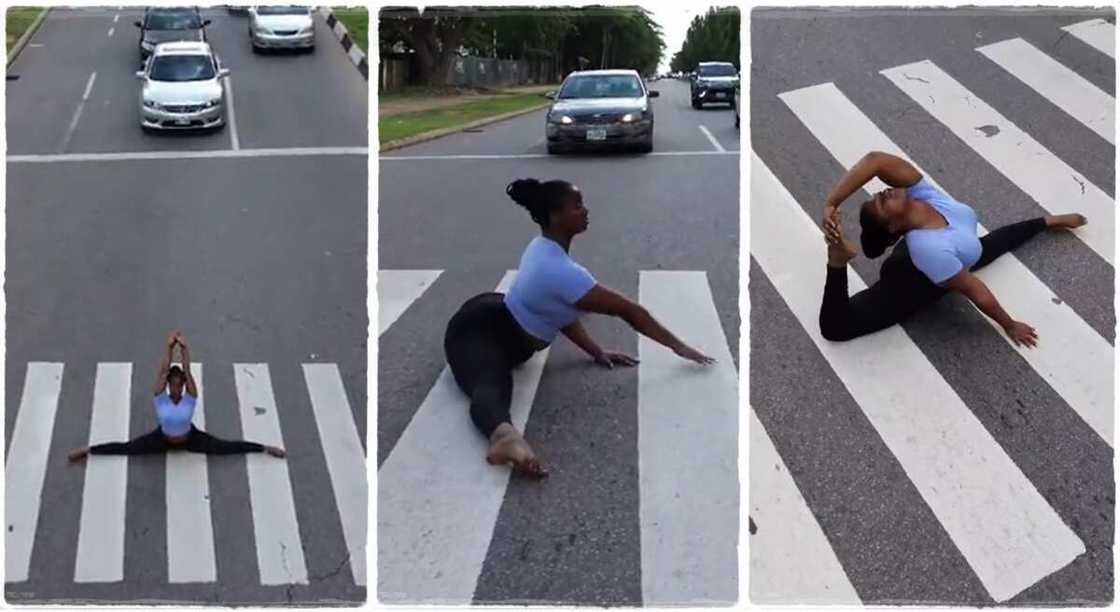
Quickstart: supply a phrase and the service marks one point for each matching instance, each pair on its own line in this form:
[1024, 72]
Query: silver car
[281, 27]
[182, 88]
[601, 107]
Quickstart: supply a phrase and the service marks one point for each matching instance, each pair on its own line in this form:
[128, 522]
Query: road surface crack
[914, 78]
[1082, 183]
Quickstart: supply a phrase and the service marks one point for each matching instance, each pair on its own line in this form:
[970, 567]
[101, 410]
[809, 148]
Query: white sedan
[281, 27]
[182, 88]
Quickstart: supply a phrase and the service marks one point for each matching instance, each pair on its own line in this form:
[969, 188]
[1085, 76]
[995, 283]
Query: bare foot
[507, 447]
[78, 454]
[275, 451]
[1070, 221]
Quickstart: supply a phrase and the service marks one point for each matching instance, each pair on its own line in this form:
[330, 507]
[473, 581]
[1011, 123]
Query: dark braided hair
[540, 199]
[874, 237]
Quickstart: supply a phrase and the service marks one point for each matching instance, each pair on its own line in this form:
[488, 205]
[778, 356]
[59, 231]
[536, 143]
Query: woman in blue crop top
[174, 411]
[937, 251]
[493, 333]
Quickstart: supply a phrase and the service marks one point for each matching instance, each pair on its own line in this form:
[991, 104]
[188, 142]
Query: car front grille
[184, 108]
[286, 32]
[597, 118]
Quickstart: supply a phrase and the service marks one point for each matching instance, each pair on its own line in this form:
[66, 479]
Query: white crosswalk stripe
[98, 549]
[992, 512]
[397, 290]
[1068, 90]
[1052, 183]
[1098, 33]
[439, 501]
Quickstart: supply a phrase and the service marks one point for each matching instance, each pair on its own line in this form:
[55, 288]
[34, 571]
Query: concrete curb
[356, 55]
[26, 37]
[434, 134]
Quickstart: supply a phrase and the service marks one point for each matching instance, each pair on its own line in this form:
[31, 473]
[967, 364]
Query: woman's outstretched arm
[161, 378]
[890, 169]
[185, 350]
[967, 284]
[604, 301]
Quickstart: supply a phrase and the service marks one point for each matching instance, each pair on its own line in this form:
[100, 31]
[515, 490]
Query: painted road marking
[1004, 528]
[438, 498]
[1097, 33]
[1065, 88]
[346, 461]
[190, 528]
[397, 290]
[26, 465]
[1056, 186]
[279, 548]
[687, 459]
[100, 555]
[792, 561]
[1072, 357]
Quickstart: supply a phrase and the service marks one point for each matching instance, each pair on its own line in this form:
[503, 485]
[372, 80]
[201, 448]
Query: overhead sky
[674, 21]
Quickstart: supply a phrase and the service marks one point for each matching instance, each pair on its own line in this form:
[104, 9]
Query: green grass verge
[410, 124]
[356, 21]
[19, 18]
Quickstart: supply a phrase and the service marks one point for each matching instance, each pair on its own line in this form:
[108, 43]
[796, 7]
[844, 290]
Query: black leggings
[902, 288]
[483, 344]
[197, 441]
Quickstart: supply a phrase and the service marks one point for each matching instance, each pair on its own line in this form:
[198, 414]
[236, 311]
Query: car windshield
[614, 86]
[173, 21]
[180, 68]
[718, 70]
[283, 10]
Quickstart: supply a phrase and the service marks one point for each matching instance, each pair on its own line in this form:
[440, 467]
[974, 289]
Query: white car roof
[615, 72]
[182, 48]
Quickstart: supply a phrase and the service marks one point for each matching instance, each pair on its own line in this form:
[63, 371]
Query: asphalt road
[574, 539]
[258, 259]
[888, 541]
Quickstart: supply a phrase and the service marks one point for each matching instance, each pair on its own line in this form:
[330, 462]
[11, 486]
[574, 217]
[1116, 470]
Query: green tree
[711, 37]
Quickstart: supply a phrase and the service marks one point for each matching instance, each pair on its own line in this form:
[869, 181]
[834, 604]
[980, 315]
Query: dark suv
[714, 82]
[169, 24]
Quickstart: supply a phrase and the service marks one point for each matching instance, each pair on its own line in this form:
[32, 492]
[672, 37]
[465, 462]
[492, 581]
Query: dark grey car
[170, 24]
[594, 108]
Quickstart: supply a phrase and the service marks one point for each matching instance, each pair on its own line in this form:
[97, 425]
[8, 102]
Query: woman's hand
[691, 354]
[172, 339]
[1022, 334]
[609, 359]
[831, 221]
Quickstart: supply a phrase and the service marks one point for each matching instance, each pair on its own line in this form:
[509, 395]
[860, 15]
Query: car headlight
[263, 31]
[562, 119]
[307, 30]
[631, 117]
[213, 103]
[147, 44]
[152, 104]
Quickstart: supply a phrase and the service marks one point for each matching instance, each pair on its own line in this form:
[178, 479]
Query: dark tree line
[712, 37]
[568, 39]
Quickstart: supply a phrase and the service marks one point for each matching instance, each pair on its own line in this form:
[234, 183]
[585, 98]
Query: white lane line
[1097, 33]
[437, 497]
[1071, 356]
[792, 561]
[27, 465]
[190, 528]
[1056, 186]
[279, 547]
[346, 461]
[78, 113]
[177, 155]
[111, 32]
[687, 459]
[712, 139]
[397, 290]
[116, 18]
[235, 141]
[1004, 528]
[1068, 90]
[100, 555]
[536, 156]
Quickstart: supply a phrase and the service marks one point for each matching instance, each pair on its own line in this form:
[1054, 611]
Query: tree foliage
[712, 37]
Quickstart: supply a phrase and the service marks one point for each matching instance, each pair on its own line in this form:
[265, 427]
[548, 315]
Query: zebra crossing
[99, 550]
[439, 501]
[1012, 531]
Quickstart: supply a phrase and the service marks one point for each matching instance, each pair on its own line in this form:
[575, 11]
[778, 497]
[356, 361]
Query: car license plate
[597, 134]
[720, 94]
[182, 122]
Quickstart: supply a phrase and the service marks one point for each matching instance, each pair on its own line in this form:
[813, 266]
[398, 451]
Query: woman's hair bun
[525, 192]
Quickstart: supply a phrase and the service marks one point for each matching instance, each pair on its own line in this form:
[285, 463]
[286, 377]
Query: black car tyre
[554, 149]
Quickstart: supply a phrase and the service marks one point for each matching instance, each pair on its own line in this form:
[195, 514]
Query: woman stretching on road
[939, 253]
[493, 333]
[174, 411]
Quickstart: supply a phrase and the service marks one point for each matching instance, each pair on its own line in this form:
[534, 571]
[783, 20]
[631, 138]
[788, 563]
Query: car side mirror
[140, 75]
[653, 93]
[223, 72]
[206, 22]
[551, 95]
[137, 23]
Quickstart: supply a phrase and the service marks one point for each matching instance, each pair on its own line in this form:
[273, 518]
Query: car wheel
[697, 104]
[554, 149]
[647, 146]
